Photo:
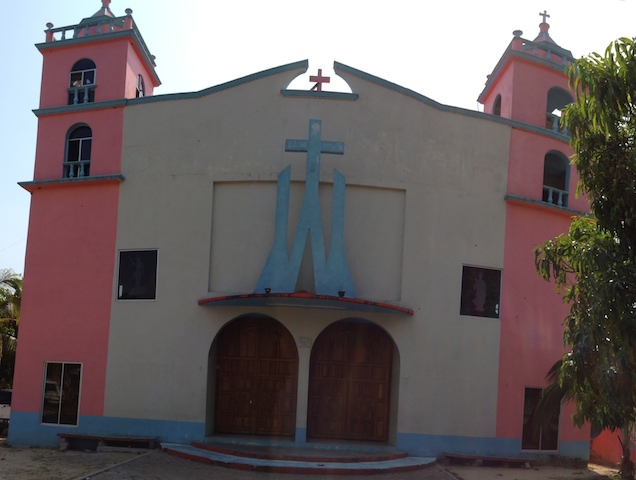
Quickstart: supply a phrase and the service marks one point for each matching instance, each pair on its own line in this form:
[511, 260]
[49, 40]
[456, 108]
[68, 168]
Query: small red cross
[319, 79]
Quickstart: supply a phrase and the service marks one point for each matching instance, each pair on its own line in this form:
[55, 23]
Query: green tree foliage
[10, 299]
[593, 264]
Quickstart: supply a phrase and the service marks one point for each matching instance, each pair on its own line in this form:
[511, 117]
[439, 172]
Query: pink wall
[117, 65]
[70, 262]
[522, 75]
[65, 317]
[106, 125]
[137, 67]
[606, 448]
[531, 321]
[503, 87]
[110, 77]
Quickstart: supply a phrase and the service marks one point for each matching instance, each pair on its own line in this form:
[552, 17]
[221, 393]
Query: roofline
[302, 66]
[339, 67]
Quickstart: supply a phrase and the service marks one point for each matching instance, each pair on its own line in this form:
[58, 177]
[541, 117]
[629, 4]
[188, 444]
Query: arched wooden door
[350, 383]
[256, 378]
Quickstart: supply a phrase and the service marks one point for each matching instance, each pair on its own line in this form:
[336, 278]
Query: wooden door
[257, 375]
[349, 383]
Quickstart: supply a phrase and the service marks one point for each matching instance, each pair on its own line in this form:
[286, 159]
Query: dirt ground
[19, 463]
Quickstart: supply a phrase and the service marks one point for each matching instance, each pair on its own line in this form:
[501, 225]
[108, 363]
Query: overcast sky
[442, 49]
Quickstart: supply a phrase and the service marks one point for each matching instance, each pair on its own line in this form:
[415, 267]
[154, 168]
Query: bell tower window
[82, 82]
[496, 109]
[556, 171]
[141, 89]
[78, 152]
[557, 100]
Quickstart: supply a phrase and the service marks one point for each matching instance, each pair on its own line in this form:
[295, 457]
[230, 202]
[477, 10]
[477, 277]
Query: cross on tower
[544, 15]
[319, 79]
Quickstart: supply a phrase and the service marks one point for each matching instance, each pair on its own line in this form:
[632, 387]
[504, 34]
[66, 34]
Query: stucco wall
[425, 195]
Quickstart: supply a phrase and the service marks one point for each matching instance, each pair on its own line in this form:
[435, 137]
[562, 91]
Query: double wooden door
[349, 383]
[256, 378]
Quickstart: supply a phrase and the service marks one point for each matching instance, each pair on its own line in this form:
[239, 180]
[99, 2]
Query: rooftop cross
[544, 15]
[319, 79]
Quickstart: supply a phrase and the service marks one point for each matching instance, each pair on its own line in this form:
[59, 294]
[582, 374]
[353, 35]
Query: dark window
[480, 292]
[496, 109]
[141, 89]
[555, 179]
[536, 436]
[78, 152]
[558, 98]
[137, 275]
[82, 83]
[60, 398]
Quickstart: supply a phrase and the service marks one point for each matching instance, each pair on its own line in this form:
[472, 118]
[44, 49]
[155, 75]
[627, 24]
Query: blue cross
[314, 146]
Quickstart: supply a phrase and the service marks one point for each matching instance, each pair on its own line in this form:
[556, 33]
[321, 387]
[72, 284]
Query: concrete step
[306, 462]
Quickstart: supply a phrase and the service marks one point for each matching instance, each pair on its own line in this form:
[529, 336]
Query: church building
[292, 266]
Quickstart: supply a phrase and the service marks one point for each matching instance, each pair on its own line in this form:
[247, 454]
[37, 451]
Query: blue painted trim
[36, 184]
[342, 70]
[26, 429]
[42, 112]
[435, 445]
[323, 95]
[541, 203]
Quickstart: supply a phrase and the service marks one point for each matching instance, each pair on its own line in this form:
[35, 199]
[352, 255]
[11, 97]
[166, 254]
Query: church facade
[295, 266]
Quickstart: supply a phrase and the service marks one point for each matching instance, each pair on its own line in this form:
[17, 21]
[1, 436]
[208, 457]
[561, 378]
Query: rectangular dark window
[536, 436]
[60, 402]
[137, 275]
[481, 289]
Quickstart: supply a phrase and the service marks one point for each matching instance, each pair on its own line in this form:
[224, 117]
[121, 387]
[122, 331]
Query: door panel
[257, 369]
[349, 384]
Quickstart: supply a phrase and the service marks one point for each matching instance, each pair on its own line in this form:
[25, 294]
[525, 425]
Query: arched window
[557, 100]
[141, 89]
[81, 87]
[78, 152]
[556, 173]
[496, 108]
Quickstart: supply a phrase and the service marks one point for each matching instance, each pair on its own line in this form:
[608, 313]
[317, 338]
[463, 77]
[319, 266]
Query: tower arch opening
[81, 88]
[557, 99]
[556, 173]
[78, 152]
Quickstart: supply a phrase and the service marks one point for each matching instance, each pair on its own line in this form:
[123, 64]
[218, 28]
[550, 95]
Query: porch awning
[304, 300]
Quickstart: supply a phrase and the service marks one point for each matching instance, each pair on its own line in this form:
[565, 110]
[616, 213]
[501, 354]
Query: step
[326, 464]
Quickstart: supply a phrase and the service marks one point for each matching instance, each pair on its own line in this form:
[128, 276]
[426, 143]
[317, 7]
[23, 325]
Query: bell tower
[90, 72]
[529, 82]
[528, 89]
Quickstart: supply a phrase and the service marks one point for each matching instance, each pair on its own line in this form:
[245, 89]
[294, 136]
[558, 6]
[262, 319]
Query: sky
[443, 50]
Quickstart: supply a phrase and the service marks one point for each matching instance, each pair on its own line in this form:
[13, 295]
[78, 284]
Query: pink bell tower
[528, 89]
[90, 72]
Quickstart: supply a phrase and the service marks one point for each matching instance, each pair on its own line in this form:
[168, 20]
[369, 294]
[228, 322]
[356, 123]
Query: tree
[10, 299]
[593, 264]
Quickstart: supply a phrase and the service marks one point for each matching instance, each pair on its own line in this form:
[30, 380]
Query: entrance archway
[350, 383]
[256, 378]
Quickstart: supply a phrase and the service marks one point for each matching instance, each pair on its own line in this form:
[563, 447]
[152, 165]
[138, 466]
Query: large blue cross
[314, 146]
[281, 271]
